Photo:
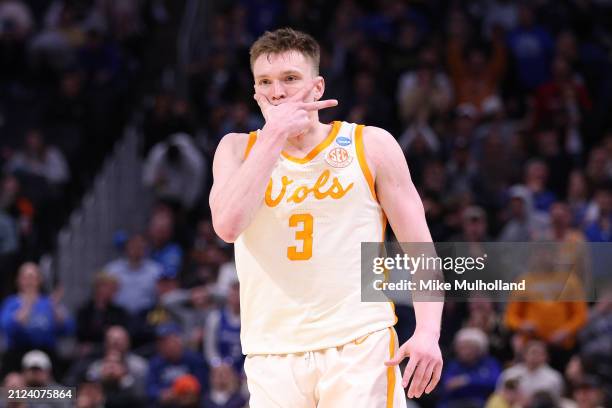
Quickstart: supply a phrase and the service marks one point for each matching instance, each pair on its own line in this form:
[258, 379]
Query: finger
[302, 93]
[262, 101]
[409, 371]
[417, 378]
[314, 106]
[396, 359]
[420, 387]
[435, 378]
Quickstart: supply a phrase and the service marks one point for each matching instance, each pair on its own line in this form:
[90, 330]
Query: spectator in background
[563, 100]
[9, 238]
[532, 47]
[31, 319]
[589, 393]
[524, 222]
[117, 345]
[536, 181]
[534, 374]
[224, 389]
[470, 378]
[175, 170]
[169, 363]
[187, 392]
[37, 373]
[119, 386]
[89, 395]
[474, 226]
[40, 160]
[577, 197]
[137, 276]
[476, 75]
[222, 341]
[600, 230]
[552, 308]
[163, 250]
[483, 315]
[425, 93]
[99, 313]
[507, 396]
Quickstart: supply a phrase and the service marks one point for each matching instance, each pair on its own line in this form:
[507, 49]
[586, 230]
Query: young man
[297, 198]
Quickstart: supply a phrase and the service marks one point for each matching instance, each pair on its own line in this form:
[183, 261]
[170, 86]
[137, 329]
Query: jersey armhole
[361, 157]
[250, 143]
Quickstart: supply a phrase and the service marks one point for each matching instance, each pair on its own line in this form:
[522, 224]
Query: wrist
[428, 330]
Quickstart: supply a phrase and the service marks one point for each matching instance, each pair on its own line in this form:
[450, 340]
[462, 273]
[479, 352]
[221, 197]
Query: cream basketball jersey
[299, 261]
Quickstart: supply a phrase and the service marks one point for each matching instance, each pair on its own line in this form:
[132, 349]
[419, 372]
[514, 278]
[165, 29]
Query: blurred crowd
[502, 109]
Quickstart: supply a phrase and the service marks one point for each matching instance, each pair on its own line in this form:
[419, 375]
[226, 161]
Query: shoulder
[234, 144]
[380, 146]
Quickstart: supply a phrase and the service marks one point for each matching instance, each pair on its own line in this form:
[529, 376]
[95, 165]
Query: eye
[291, 78]
[264, 82]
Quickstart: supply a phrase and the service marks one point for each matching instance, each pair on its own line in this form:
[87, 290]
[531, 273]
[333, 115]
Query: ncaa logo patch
[343, 141]
[338, 157]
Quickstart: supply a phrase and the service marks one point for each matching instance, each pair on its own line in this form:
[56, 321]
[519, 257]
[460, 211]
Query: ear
[319, 88]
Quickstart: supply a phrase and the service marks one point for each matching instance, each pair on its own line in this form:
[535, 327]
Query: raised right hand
[291, 118]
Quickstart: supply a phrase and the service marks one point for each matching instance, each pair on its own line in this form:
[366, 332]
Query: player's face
[280, 76]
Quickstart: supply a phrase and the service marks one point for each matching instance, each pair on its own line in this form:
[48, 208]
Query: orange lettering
[335, 191]
[270, 202]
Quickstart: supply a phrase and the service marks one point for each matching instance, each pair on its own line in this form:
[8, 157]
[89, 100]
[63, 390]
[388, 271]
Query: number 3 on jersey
[304, 222]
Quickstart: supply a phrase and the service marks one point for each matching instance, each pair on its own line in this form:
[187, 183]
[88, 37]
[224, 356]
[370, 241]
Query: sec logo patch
[338, 157]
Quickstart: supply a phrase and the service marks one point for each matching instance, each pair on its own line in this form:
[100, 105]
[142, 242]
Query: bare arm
[239, 186]
[404, 209]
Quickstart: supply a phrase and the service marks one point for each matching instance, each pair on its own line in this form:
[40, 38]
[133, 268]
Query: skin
[288, 92]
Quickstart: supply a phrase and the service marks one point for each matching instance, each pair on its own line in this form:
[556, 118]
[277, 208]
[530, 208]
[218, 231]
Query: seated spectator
[482, 315]
[534, 374]
[508, 396]
[117, 341]
[175, 171]
[99, 313]
[137, 276]
[163, 250]
[470, 378]
[536, 181]
[474, 226]
[520, 225]
[224, 389]
[118, 384]
[89, 395]
[39, 159]
[31, 319]
[222, 341]
[600, 230]
[589, 393]
[170, 362]
[192, 308]
[37, 373]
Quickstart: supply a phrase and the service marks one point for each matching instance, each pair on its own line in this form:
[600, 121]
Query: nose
[278, 91]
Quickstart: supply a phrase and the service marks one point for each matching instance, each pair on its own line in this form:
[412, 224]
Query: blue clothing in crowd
[482, 378]
[532, 48]
[41, 329]
[170, 258]
[163, 373]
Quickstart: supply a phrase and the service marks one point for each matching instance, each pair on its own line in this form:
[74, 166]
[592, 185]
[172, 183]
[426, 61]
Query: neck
[307, 140]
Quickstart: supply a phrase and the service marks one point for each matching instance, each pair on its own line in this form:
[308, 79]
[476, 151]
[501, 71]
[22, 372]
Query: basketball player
[297, 198]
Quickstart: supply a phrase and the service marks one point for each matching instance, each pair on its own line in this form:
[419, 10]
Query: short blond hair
[283, 40]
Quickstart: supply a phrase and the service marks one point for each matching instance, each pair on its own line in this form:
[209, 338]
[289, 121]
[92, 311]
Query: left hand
[424, 364]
